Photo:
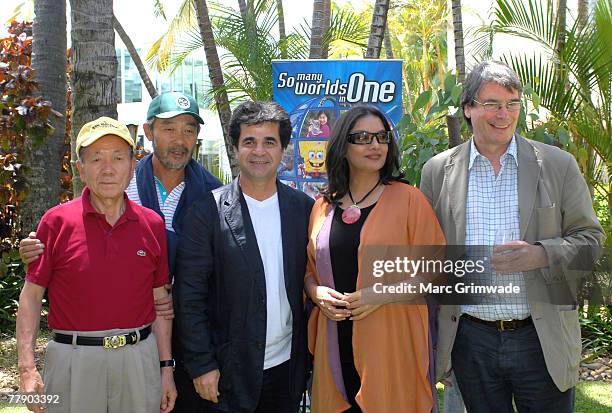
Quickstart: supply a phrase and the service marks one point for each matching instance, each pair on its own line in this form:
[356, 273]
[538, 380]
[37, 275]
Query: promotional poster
[315, 93]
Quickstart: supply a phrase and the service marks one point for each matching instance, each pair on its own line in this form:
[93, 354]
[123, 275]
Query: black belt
[502, 325]
[106, 342]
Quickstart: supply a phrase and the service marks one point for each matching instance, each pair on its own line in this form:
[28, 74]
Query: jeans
[494, 367]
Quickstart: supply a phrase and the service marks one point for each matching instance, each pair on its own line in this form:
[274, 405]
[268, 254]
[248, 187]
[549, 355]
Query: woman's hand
[331, 302]
[358, 309]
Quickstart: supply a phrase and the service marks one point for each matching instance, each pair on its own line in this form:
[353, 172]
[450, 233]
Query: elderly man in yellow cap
[104, 263]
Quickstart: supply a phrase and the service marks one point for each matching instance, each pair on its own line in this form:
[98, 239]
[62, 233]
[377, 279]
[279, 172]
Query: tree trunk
[319, 28]
[94, 68]
[561, 26]
[281, 28]
[453, 123]
[135, 57]
[458, 34]
[49, 65]
[325, 28]
[387, 42]
[583, 13]
[216, 79]
[377, 31]
[243, 9]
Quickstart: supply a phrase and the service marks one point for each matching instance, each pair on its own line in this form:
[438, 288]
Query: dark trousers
[276, 391]
[275, 394]
[352, 384]
[492, 367]
[187, 400]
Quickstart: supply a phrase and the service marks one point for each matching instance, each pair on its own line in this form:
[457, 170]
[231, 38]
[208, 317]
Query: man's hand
[517, 256]
[31, 382]
[358, 309]
[30, 248]
[207, 385]
[163, 306]
[168, 396]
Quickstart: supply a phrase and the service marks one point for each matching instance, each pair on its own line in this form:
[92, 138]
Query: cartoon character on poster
[313, 155]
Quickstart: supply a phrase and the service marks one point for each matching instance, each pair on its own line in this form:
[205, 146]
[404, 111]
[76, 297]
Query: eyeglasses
[366, 138]
[494, 106]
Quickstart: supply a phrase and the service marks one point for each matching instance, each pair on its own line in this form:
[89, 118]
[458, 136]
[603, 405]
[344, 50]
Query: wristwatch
[167, 363]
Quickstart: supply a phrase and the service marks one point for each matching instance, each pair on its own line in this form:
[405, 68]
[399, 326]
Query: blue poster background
[315, 93]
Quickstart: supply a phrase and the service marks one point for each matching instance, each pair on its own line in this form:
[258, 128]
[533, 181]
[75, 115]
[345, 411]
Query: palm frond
[530, 20]
[158, 9]
[185, 21]
[556, 94]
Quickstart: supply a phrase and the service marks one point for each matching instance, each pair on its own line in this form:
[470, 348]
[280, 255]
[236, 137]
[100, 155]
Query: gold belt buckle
[114, 341]
[501, 325]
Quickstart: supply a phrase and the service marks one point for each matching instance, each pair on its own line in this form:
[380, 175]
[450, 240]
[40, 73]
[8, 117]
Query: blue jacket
[198, 182]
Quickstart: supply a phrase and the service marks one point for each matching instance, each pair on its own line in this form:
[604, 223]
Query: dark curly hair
[254, 113]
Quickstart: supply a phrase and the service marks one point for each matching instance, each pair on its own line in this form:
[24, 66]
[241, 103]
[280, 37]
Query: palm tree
[452, 120]
[418, 32]
[146, 80]
[247, 64]
[282, 34]
[377, 32]
[216, 79]
[320, 25]
[243, 9]
[387, 43]
[49, 64]
[458, 35]
[579, 96]
[94, 68]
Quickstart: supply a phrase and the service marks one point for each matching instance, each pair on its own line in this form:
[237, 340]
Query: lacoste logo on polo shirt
[182, 102]
[141, 253]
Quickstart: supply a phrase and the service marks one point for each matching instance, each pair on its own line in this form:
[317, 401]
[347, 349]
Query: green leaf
[422, 100]
[535, 99]
[563, 136]
[450, 81]
[456, 95]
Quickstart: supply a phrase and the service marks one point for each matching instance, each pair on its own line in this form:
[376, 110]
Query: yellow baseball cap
[94, 130]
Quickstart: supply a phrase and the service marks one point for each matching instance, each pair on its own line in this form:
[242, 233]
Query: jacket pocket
[548, 222]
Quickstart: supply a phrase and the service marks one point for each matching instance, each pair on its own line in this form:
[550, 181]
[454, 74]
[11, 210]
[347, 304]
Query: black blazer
[220, 292]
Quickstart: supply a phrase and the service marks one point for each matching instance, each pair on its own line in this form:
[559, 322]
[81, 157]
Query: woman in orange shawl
[369, 357]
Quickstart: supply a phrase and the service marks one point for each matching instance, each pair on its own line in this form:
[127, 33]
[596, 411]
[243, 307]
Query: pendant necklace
[352, 214]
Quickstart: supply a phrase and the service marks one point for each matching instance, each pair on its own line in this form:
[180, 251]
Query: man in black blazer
[238, 288]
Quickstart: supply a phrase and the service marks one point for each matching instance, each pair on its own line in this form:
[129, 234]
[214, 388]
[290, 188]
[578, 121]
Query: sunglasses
[366, 138]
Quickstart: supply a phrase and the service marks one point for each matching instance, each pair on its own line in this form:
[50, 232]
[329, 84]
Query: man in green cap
[168, 182]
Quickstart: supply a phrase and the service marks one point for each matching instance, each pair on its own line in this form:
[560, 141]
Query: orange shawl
[390, 346]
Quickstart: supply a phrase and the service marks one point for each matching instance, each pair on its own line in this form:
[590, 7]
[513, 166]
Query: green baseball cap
[171, 104]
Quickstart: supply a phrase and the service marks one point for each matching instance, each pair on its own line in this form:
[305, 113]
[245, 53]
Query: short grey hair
[490, 71]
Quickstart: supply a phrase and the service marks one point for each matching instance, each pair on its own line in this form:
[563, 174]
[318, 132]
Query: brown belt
[502, 325]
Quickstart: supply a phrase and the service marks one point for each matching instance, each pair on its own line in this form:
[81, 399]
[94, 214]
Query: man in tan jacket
[530, 201]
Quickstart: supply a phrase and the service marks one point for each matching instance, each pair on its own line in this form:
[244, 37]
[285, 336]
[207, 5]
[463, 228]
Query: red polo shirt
[99, 276]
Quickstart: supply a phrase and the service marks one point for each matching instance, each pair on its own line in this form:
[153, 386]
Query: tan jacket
[556, 210]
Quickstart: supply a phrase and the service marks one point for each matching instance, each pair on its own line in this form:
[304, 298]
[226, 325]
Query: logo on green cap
[183, 102]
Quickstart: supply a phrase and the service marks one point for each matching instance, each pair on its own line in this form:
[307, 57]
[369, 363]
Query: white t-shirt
[265, 216]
